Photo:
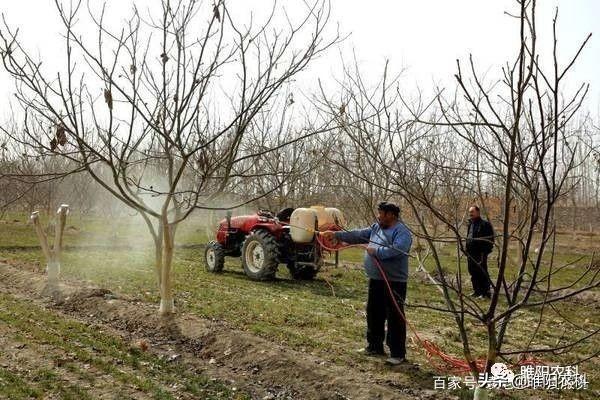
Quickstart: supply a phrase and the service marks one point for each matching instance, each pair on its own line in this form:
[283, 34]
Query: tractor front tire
[214, 257]
[260, 256]
[302, 272]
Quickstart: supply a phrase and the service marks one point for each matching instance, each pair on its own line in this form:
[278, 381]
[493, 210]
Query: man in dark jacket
[480, 243]
[389, 242]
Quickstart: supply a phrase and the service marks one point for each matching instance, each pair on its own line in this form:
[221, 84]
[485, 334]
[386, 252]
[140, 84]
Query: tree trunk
[480, 393]
[158, 258]
[52, 254]
[167, 305]
[53, 271]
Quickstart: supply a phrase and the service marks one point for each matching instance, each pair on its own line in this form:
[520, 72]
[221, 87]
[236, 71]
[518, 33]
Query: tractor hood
[247, 222]
[243, 220]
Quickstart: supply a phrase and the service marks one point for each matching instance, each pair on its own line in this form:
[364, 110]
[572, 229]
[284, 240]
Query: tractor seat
[285, 214]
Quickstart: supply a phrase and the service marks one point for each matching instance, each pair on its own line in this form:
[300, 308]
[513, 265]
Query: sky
[422, 38]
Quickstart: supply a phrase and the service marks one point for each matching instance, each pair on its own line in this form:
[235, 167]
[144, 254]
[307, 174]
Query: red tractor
[263, 241]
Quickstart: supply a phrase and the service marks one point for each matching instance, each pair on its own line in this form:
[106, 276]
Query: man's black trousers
[380, 308]
[478, 269]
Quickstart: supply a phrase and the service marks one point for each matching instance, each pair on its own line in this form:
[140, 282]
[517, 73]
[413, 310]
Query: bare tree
[515, 142]
[162, 113]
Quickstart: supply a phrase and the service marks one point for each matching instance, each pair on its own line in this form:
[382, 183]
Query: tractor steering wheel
[265, 213]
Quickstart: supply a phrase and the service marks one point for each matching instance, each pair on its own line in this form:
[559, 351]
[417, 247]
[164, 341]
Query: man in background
[480, 243]
[389, 242]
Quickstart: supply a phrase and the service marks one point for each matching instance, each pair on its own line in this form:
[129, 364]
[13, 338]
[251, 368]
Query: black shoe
[487, 295]
[372, 352]
[474, 294]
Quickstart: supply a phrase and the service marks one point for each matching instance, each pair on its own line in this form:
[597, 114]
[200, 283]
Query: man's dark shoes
[372, 352]
[474, 294]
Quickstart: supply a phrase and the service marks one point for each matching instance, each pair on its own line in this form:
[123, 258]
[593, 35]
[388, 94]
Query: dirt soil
[264, 369]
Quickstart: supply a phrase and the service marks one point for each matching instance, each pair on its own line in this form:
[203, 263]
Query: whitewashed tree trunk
[53, 272]
[167, 305]
[53, 254]
[480, 393]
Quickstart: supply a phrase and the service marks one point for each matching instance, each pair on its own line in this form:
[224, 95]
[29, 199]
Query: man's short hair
[476, 207]
[389, 207]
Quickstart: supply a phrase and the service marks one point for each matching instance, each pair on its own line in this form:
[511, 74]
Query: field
[317, 326]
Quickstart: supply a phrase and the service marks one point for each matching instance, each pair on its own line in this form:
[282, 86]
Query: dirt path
[255, 365]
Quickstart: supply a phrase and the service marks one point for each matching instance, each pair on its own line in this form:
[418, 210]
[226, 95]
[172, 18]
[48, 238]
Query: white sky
[425, 37]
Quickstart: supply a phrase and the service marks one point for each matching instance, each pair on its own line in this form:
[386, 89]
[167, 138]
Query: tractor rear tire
[214, 257]
[260, 256]
[302, 272]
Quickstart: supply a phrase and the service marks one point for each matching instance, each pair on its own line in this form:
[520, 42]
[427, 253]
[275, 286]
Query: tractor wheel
[302, 272]
[260, 256]
[214, 257]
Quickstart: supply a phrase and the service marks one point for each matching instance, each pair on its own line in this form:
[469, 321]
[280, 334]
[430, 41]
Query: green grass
[303, 315]
[77, 349]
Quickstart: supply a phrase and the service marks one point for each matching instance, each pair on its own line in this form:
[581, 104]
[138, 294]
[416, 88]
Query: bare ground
[256, 366]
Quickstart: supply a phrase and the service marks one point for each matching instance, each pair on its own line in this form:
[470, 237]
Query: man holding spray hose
[388, 243]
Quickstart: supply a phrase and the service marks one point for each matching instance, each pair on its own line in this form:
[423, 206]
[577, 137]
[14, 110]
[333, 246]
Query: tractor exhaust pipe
[228, 217]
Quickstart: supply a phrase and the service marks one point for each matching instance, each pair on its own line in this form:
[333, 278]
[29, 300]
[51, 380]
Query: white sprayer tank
[336, 215]
[328, 217]
[302, 225]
